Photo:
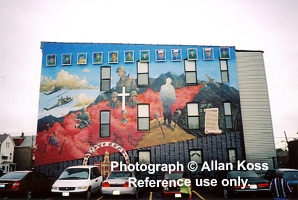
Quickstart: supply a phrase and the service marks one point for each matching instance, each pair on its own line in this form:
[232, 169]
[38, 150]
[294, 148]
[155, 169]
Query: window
[95, 173]
[105, 123]
[7, 144]
[195, 155]
[142, 76]
[143, 117]
[190, 72]
[144, 157]
[228, 114]
[193, 115]
[105, 78]
[232, 155]
[224, 71]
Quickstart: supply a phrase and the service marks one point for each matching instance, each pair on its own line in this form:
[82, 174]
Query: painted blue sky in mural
[90, 72]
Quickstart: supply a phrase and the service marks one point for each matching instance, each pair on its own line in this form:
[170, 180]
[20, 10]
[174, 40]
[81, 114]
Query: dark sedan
[25, 184]
[253, 183]
[291, 175]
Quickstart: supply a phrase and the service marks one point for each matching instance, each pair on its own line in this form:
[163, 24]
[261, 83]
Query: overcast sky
[267, 25]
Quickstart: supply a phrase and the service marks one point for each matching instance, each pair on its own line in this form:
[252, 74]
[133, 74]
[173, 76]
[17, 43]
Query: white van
[78, 180]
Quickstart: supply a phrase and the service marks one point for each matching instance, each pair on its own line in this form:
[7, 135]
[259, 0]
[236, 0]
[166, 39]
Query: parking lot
[198, 193]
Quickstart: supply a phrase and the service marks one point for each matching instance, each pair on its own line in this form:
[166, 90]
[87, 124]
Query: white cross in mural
[123, 95]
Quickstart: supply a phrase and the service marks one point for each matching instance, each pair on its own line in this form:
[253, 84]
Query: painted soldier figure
[126, 81]
[53, 140]
[83, 119]
[114, 103]
[124, 114]
[132, 99]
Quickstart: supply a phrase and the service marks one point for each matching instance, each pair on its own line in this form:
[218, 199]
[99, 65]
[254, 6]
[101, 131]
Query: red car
[25, 184]
[172, 190]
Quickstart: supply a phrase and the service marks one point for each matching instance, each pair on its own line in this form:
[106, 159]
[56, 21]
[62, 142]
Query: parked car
[116, 183]
[291, 175]
[254, 185]
[25, 184]
[172, 190]
[78, 180]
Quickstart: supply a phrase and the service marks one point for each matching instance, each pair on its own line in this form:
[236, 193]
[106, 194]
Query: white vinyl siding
[255, 108]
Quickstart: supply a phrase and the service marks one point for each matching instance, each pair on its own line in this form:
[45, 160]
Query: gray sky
[268, 25]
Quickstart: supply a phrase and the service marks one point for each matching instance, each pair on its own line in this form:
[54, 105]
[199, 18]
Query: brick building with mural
[150, 103]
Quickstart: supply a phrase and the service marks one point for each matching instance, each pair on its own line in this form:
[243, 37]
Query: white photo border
[48, 57]
[163, 59]
[63, 56]
[94, 56]
[205, 56]
[148, 55]
[83, 62]
[192, 57]
[223, 56]
[179, 56]
[132, 56]
[110, 53]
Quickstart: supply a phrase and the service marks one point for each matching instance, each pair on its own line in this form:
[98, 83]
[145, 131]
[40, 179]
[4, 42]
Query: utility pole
[286, 139]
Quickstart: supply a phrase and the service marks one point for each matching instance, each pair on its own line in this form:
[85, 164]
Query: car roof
[25, 171]
[284, 169]
[82, 166]
[121, 171]
[175, 171]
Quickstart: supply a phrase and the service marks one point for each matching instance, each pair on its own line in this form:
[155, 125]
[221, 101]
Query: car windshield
[114, 175]
[173, 176]
[290, 175]
[242, 174]
[14, 175]
[74, 173]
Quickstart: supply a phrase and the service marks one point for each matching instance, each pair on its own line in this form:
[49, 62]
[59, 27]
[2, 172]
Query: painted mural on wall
[71, 96]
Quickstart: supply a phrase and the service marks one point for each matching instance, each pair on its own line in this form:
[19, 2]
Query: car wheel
[100, 188]
[28, 194]
[88, 194]
[225, 193]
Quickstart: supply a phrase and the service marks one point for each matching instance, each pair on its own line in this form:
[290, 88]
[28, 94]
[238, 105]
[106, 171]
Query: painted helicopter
[62, 101]
[56, 89]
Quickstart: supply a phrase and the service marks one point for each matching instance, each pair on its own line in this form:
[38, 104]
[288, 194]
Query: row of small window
[160, 56]
[190, 72]
[195, 155]
[143, 118]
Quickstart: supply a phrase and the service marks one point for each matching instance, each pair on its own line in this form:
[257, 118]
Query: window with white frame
[142, 73]
[228, 115]
[224, 71]
[193, 121]
[105, 78]
[190, 72]
[143, 117]
[105, 116]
